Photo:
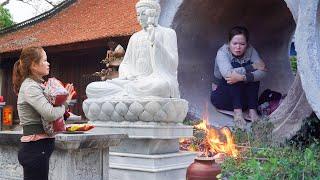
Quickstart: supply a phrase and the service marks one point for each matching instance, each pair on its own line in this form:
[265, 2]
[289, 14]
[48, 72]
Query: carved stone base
[151, 152]
[168, 110]
[126, 166]
[145, 131]
[154, 126]
[147, 146]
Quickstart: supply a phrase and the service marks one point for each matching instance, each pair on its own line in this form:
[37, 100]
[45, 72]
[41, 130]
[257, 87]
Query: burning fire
[216, 141]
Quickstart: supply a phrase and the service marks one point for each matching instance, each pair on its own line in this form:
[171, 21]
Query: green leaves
[5, 18]
[293, 63]
[279, 163]
[298, 159]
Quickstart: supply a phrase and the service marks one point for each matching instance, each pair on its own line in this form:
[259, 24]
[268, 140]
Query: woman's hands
[213, 86]
[69, 87]
[259, 66]
[234, 77]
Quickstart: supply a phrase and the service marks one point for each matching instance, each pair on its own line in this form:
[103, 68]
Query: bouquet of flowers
[55, 92]
[57, 95]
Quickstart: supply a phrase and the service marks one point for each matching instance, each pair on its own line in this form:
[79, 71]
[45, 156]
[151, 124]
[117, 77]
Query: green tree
[5, 18]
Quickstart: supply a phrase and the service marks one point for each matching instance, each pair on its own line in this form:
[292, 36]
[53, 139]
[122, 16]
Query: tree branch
[5, 3]
[51, 3]
[26, 2]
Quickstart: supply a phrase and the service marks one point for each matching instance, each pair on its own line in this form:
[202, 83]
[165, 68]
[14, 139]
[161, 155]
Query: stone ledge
[147, 131]
[11, 138]
[147, 146]
[77, 156]
[69, 141]
[151, 163]
[88, 140]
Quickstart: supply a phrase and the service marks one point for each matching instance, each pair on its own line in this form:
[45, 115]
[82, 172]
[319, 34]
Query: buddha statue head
[148, 12]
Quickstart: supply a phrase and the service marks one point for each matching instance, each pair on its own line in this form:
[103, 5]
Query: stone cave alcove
[202, 28]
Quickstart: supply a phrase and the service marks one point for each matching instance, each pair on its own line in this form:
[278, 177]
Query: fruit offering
[79, 127]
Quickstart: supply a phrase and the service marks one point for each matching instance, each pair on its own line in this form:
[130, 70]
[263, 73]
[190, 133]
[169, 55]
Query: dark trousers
[241, 95]
[34, 157]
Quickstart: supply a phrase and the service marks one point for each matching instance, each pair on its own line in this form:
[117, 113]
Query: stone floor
[218, 119]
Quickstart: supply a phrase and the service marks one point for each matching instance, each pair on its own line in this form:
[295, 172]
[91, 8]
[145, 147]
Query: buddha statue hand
[151, 13]
[151, 34]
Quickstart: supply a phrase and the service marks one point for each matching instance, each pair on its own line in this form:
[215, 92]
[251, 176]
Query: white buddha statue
[149, 67]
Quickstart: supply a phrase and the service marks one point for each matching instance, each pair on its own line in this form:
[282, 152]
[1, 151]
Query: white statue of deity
[149, 67]
[147, 88]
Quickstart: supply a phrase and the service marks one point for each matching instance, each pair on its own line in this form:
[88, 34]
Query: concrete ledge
[126, 166]
[151, 163]
[88, 140]
[69, 141]
[10, 138]
[141, 131]
[147, 146]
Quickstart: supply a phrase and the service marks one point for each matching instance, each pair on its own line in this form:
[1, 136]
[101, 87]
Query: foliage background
[5, 18]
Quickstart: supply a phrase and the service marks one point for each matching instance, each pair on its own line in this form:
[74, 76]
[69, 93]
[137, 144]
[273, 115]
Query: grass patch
[298, 159]
[275, 163]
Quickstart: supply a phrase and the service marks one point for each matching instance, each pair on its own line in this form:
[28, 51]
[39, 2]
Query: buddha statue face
[142, 17]
[148, 12]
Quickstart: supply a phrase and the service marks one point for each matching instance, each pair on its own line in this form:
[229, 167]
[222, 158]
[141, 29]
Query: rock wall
[308, 49]
[202, 28]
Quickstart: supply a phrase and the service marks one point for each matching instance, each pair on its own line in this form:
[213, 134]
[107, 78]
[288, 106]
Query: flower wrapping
[57, 95]
[55, 92]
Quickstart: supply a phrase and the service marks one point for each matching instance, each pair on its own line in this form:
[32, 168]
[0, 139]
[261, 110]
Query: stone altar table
[76, 156]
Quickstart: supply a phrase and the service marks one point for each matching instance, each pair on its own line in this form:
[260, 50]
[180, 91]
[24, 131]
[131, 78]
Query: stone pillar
[152, 150]
[76, 156]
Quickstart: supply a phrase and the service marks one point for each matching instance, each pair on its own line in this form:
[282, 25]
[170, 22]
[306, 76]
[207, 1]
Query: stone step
[127, 166]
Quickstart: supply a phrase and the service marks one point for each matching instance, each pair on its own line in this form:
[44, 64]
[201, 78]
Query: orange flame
[214, 138]
[202, 126]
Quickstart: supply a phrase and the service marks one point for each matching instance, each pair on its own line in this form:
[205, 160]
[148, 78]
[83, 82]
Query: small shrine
[112, 61]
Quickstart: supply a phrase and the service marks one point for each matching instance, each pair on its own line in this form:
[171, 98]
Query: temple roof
[73, 22]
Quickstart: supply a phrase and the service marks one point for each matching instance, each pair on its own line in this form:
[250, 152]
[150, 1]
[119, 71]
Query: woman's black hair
[238, 30]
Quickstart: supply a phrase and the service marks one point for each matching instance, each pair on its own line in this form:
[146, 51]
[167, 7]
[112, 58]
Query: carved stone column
[154, 127]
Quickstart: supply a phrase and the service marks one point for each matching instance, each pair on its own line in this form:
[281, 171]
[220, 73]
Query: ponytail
[21, 68]
[17, 77]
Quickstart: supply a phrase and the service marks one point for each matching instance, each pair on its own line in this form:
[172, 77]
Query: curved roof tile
[83, 20]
